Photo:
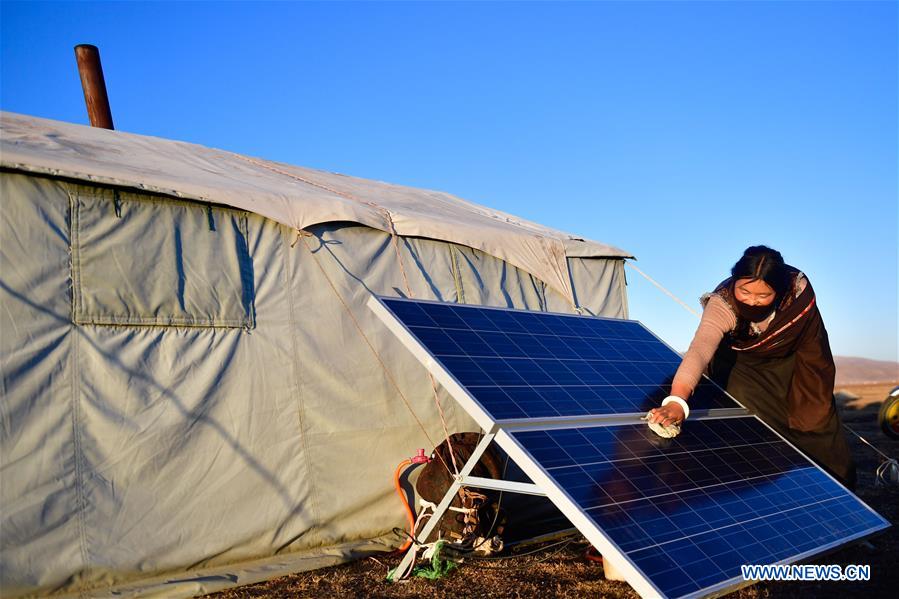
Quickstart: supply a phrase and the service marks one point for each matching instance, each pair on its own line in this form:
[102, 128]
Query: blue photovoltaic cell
[689, 511]
[520, 364]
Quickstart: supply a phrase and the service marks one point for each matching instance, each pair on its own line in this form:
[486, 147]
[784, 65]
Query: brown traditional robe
[785, 375]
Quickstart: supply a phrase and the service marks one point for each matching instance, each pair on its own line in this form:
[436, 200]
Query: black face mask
[755, 313]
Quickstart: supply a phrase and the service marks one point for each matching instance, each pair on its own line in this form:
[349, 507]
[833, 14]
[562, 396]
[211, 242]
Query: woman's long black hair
[761, 263]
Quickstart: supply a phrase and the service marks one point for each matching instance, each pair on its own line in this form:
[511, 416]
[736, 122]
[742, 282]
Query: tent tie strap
[300, 233]
[668, 293]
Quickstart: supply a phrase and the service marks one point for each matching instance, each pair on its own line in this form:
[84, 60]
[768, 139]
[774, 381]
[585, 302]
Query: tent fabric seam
[457, 278]
[76, 388]
[248, 284]
[540, 289]
[298, 396]
[163, 322]
[76, 449]
[622, 286]
[271, 168]
[85, 178]
[574, 298]
[75, 257]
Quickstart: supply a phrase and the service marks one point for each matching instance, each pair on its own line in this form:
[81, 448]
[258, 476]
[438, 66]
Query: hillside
[855, 371]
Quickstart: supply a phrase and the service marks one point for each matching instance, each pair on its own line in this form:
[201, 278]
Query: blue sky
[682, 132]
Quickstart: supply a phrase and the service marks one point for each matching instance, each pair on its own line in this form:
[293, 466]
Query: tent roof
[294, 196]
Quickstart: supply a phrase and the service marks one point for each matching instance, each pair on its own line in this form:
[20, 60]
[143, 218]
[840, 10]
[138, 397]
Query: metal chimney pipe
[94, 86]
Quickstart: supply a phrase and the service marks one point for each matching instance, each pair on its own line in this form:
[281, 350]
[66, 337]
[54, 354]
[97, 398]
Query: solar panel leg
[448, 498]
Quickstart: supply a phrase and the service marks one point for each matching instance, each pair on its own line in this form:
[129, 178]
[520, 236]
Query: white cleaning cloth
[666, 431]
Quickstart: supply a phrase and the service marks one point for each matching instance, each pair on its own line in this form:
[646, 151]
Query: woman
[762, 338]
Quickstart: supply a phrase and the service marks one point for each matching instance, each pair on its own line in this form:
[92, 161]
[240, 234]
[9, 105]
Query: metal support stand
[463, 479]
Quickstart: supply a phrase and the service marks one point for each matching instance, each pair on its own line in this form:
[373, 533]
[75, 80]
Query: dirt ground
[562, 570]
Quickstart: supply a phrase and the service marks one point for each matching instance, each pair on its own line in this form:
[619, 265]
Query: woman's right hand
[672, 413]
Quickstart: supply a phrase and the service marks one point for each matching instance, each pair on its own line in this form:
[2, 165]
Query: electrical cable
[399, 491]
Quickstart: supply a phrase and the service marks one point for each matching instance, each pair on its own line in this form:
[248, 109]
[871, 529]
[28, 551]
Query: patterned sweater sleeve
[717, 319]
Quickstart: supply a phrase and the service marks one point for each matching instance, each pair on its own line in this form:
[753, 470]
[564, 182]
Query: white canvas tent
[194, 394]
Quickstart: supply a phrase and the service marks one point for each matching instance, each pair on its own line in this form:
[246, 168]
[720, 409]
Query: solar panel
[689, 511]
[519, 364]
[562, 396]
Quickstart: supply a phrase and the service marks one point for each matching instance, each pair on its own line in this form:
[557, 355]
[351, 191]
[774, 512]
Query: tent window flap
[148, 260]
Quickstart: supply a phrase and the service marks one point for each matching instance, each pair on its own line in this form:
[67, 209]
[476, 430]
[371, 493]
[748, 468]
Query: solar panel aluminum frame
[499, 431]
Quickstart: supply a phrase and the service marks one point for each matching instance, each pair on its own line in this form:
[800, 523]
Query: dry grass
[563, 571]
